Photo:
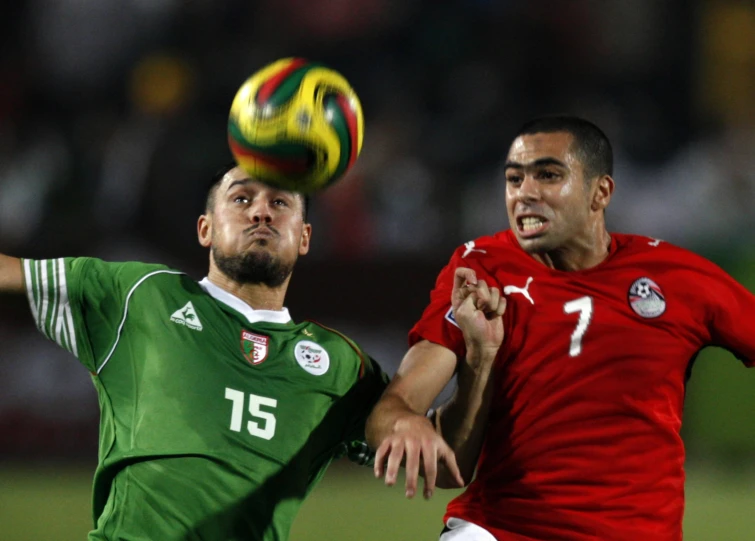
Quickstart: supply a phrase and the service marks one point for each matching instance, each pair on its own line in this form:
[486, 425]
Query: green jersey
[216, 419]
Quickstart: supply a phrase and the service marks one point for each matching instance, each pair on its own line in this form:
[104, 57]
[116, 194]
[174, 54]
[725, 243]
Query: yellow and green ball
[297, 125]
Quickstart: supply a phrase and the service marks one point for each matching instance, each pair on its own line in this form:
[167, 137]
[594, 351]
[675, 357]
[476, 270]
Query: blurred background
[113, 117]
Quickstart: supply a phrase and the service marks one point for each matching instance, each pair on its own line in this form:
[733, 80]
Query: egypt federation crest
[312, 357]
[254, 346]
[646, 298]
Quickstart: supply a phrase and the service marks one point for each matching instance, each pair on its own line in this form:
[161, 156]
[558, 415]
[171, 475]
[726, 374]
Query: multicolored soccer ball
[297, 125]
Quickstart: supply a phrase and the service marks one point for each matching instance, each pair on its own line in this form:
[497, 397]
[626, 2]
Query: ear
[306, 235]
[204, 230]
[602, 192]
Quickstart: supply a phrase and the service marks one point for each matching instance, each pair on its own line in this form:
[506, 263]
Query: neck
[579, 255]
[258, 296]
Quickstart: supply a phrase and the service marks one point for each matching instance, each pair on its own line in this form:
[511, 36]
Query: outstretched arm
[11, 275]
[398, 426]
[399, 429]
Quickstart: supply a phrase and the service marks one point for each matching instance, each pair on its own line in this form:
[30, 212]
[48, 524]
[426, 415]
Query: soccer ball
[296, 125]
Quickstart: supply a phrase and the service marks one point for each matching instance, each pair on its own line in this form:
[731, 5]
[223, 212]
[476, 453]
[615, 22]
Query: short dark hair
[590, 144]
[217, 178]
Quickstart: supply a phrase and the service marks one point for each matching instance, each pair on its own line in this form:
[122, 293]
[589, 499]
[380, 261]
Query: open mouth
[530, 226]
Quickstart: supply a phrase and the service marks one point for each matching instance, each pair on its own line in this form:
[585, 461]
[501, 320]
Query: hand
[416, 440]
[478, 310]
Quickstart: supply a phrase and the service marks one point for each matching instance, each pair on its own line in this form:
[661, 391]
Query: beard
[253, 267]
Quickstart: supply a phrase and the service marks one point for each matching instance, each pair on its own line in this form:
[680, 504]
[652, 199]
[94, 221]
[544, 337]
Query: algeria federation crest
[312, 357]
[254, 346]
[646, 298]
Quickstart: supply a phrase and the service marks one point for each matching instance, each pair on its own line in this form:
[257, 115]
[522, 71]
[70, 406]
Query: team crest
[254, 346]
[312, 357]
[646, 298]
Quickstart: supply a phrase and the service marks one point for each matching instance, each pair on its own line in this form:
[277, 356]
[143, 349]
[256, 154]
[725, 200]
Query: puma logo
[655, 242]
[469, 248]
[508, 290]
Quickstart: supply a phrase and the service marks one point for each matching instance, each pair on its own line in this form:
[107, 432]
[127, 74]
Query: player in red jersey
[572, 416]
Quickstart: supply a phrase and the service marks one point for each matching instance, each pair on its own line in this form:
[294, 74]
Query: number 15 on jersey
[263, 424]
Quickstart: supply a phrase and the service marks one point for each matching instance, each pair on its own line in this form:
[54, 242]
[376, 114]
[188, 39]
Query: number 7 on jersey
[583, 305]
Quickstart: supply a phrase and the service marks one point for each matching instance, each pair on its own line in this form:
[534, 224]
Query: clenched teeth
[531, 222]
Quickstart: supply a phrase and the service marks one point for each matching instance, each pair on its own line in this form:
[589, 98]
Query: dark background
[112, 120]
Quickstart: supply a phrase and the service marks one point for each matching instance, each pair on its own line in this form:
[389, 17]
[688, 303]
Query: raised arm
[398, 427]
[11, 275]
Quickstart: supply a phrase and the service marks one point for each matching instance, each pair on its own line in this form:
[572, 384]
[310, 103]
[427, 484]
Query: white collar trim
[252, 315]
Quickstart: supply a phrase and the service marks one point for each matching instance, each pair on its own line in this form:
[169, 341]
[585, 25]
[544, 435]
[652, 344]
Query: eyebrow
[540, 162]
[242, 182]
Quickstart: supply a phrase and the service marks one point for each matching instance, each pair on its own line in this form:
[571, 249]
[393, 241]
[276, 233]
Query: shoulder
[319, 332]
[501, 245]
[338, 346]
[662, 254]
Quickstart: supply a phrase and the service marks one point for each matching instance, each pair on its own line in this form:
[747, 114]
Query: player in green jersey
[218, 413]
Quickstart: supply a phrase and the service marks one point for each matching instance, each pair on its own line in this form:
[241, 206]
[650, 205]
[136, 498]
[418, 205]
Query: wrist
[478, 355]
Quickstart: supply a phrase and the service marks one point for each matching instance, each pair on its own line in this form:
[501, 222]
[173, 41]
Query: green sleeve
[80, 303]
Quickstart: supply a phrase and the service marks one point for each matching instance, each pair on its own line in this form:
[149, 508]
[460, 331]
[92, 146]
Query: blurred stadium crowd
[113, 112]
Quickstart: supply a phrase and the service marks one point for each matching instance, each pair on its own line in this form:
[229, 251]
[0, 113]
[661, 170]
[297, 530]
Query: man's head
[255, 232]
[558, 183]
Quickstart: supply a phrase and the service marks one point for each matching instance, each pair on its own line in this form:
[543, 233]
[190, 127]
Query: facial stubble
[253, 267]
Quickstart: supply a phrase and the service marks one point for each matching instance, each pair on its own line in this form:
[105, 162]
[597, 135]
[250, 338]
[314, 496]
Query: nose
[529, 189]
[259, 211]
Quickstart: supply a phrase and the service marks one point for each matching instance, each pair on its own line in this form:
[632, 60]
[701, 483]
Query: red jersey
[583, 436]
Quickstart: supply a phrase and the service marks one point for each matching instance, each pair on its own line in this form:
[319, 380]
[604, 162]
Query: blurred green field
[52, 504]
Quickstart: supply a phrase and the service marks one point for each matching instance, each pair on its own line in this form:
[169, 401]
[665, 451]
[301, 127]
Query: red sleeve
[732, 316]
[437, 323]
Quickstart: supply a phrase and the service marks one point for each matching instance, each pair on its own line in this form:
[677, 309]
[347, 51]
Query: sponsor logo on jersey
[312, 357]
[646, 298]
[469, 248]
[187, 316]
[254, 346]
[508, 290]
[450, 317]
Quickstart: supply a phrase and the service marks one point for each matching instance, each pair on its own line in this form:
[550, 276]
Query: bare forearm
[387, 418]
[11, 275]
[463, 419]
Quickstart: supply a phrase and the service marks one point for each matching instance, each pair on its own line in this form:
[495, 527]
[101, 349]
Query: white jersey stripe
[47, 290]
[44, 298]
[125, 313]
[30, 289]
[65, 321]
[71, 329]
[54, 302]
[38, 293]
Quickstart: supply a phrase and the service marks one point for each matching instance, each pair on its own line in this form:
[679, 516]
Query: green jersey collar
[254, 316]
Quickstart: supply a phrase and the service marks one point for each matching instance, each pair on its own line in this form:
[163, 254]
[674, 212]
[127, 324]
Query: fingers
[464, 276]
[412, 468]
[415, 455]
[449, 459]
[501, 309]
[430, 462]
[380, 454]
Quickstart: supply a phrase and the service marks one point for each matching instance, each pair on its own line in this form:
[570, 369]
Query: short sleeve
[79, 303]
[732, 316]
[437, 323]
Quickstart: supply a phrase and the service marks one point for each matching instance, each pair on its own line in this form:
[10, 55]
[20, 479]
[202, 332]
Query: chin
[534, 245]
